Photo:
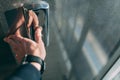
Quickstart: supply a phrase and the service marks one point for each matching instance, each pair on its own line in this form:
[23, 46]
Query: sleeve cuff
[27, 72]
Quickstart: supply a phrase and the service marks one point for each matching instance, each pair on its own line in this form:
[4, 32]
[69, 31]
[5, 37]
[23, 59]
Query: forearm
[27, 71]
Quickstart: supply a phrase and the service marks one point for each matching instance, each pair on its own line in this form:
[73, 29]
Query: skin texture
[21, 45]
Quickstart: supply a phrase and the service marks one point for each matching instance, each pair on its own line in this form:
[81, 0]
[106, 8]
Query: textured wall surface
[100, 17]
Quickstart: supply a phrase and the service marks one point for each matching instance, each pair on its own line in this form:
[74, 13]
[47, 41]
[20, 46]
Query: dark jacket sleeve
[26, 72]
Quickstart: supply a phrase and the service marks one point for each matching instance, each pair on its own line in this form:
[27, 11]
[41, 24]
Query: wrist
[37, 62]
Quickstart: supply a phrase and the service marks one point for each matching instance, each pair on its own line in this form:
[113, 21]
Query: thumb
[38, 34]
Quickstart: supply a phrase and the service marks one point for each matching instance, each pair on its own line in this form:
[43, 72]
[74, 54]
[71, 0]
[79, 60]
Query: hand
[19, 21]
[16, 43]
[21, 46]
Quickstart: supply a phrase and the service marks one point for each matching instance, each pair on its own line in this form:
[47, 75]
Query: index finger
[33, 19]
[38, 34]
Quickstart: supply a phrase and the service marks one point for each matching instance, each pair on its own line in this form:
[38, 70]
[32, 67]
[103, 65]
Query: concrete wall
[101, 17]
